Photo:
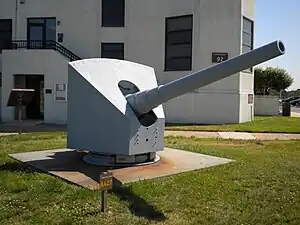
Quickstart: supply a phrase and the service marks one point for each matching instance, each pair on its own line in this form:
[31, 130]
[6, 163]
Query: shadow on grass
[18, 167]
[138, 206]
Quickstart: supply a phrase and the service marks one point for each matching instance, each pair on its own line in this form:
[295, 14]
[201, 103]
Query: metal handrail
[38, 44]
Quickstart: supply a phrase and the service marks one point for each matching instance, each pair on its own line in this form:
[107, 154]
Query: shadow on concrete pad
[67, 165]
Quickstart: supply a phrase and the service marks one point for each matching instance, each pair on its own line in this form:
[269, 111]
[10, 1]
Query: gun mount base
[121, 160]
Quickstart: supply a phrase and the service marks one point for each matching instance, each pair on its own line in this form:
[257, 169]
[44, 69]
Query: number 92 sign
[218, 57]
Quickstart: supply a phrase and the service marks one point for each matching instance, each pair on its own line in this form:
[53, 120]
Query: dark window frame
[250, 70]
[114, 45]
[43, 24]
[10, 30]
[106, 18]
[168, 33]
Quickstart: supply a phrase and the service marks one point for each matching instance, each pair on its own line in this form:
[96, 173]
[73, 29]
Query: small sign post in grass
[105, 183]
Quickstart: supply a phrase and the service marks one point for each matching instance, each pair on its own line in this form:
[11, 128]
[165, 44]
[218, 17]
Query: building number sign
[106, 181]
[218, 57]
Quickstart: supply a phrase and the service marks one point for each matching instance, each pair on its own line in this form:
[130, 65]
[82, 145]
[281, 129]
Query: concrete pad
[68, 164]
[236, 135]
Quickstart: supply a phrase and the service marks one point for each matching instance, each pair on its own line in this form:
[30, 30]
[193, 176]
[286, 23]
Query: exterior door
[35, 110]
[41, 32]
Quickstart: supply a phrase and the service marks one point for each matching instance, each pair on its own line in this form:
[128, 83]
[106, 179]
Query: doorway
[35, 110]
[41, 32]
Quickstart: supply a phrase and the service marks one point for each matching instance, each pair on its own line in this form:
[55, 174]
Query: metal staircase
[31, 44]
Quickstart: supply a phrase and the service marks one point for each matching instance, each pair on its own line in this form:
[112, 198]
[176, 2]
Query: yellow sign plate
[106, 181]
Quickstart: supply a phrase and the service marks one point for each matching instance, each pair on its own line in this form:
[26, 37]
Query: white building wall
[80, 25]
[7, 11]
[145, 33]
[217, 27]
[247, 79]
[79, 22]
[54, 67]
[266, 105]
[194, 105]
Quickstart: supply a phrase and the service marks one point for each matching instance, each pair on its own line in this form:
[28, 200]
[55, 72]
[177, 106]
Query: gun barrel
[144, 101]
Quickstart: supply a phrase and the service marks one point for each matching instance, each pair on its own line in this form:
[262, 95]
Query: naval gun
[115, 108]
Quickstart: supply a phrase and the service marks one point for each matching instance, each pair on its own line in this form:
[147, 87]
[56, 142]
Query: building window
[178, 49]
[247, 45]
[113, 13]
[5, 34]
[112, 50]
[41, 32]
[0, 79]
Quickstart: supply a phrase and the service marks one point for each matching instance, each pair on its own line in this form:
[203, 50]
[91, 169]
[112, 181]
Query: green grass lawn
[261, 187]
[271, 124]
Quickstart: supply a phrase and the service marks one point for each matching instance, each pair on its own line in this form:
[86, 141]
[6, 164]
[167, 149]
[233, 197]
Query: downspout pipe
[16, 20]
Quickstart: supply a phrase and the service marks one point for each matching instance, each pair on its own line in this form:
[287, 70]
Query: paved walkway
[30, 127]
[224, 135]
[235, 135]
[7, 134]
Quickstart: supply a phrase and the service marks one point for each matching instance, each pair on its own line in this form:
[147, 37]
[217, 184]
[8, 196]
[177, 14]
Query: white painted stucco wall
[54, 67]
[79, 21]
[217, 27]
[266, 105]
[6, 12]
[80, 24]
[247, 79]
